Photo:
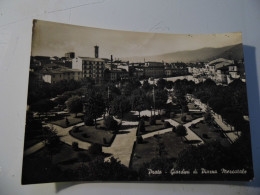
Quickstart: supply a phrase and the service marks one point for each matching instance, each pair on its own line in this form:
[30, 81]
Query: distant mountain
[234, 52]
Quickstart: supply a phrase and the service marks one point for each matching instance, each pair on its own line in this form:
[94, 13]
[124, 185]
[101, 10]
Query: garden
[209, 132]
[167, 145]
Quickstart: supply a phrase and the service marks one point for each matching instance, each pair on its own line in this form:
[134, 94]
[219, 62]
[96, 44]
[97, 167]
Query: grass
[156, 127]
[189, 117]
[42, 166]
[145, 152]
[92, 135]
[71, 118]
[213, 133]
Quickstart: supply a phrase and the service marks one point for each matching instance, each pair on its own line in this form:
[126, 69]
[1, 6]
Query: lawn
[209, 133]
[43, 166]
[92, 135]
[145, 152]
[150, 128]
[71, 118]
[189, 117]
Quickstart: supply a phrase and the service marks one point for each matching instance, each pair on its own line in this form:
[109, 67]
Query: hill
[234, 52]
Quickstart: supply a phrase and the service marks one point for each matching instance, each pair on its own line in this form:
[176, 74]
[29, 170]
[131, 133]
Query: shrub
[172, 115]
[181, 130]
[85, 135]
[105, 140]
[193, 126]
[110, 123]
[88, 120]
[145, 117]
[204, 135]
[166, 124]
[75, 145]
[67, 122]
[141, 126]
[95, 149]
[174, 129]
[139, 139]
[183, 118]
[152, 120]
[222, 135]
[75, 129]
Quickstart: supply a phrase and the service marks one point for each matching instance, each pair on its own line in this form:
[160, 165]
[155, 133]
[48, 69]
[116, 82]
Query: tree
[146, 86]
[181, 131]
[161, 97]
[42, 106]
[94, 105]
[138, 101]
[161, 83]
[120, 105]
[141, 126]
[52, 141]
[74, 105]
[110, 123]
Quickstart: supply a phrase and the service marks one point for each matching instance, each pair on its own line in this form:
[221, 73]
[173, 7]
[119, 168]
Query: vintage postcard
[108, 105]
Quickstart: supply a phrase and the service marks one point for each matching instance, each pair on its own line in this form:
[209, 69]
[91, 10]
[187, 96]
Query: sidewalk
[122, 146]
[34, 148]
[218, 119]
[191, 136]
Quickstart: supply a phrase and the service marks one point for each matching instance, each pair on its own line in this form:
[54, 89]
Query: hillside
[202, 55]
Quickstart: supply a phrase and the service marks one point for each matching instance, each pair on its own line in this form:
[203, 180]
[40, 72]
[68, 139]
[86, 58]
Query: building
[60, 74]
[224, 71]
[154, 69]
[70, 55]
[177, 69]
[91, 67]
[116, 75]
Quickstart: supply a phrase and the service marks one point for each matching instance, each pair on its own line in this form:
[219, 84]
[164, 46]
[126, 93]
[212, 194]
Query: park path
[191, 136]
[64, 135]
[122, 146]
[34, 148]
[232, 136]
[147, 135]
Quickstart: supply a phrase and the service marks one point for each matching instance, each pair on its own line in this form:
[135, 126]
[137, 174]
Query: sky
[55, 39]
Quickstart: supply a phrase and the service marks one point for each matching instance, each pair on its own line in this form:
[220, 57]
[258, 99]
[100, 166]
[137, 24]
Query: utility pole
[153, 99]
[108, 94]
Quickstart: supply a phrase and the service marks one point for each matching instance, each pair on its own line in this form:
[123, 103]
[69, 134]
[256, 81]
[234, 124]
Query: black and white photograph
[120, 106]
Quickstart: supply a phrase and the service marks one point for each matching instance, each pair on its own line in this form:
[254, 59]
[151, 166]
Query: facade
[116, 75]
[176, 70]
[224, 71]
[61, 74]
[91, 67]
[154, 69]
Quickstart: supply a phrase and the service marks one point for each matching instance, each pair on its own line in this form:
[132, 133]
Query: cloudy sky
[55, 39]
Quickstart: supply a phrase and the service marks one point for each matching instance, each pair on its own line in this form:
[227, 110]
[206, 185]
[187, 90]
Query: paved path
[34, 148]
[156, 133]
[65, 137]
[227, 129]
[122, 146]
[233, 136]
[191, 136]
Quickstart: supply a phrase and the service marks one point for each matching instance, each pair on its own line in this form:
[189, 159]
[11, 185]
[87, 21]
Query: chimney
[96, 51]
[111, 61]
